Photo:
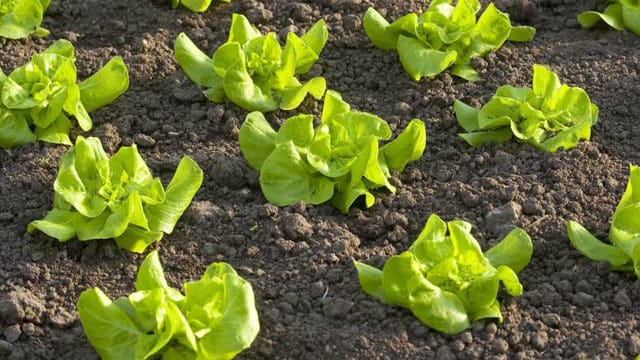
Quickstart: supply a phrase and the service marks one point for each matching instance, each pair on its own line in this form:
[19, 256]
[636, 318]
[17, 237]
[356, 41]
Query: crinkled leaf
[257, 139]
[408, 146]
[419, 60]
[241, 30]
[514, 251]
[23, 19]
[292, 97]
[104, 86]
[14, 129]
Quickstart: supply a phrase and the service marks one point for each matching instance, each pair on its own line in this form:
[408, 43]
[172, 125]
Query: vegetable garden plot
[298, 258]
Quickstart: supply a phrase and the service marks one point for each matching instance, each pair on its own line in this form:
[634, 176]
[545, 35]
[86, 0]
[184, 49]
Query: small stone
[584, 286]
[268, 211]
[202, 211]
[144, 140]
[634, 345]
[258, 15]
[583, 299]
[28, 329]
[12, 333]
[532, 207]
[301, 11]
[337, 308]
[622, 299]
[539, 340]
[11, 310]
[187, 91]
[37, 255]
[296, 227]
[445, 353]
[402, 108]
[551, 320]
[500, 346]
[506, 214]
[62, 320]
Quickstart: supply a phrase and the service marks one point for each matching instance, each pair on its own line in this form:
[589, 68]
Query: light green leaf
[22, 18]
[56, 133]
[183, 186]
[196, 65]
[480, 138]
[408, 146]
[419, 60]
[292, 97]
[241, 89]
[594, 249]
[466, 115]
[333, 105]
[257, 139]
[14, 129]
[522, 33]
[514, 251]
[370, 280]
[241, 30]
[58, 224]
[612, 16]
[309, 46]
[106, 85]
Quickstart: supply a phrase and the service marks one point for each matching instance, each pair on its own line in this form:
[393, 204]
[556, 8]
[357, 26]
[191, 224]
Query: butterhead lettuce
[548, 116]
[444, 36]
[339, 160]
[623, 254]
[445, 279]
[252, 70]
[215, 319]
[21, 18]
[97, 197]
[619, 14]
[37, 98]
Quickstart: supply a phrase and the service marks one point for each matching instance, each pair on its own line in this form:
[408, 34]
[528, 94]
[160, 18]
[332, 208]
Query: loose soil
[299, 258]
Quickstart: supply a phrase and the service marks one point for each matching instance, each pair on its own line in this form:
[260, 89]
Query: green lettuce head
[97, 197]
[252, 70]
[445, 279]
[215, 319]
[37, 98]
[548, 116]
[444, 36]
[339, 160]
[21, 18]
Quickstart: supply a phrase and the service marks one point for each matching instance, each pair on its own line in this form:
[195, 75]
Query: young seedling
[444, 37]
[445, 279]
[619, 14]
[623, 254]
[37, 98]
[21, 18]
[97, 197]
[252, 70]
[340, 160]
[548, 116]
[195, 5]
[216, 318]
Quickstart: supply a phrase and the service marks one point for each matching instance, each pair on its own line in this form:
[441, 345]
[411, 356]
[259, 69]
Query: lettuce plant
[623, 254]
[195, 5]
[252, 70]
[97, 197]
[444, 36]
[37, 98]
[445, 280]
[216, 318]
[340, 160]
[21, 18]
[548, 116]
[619, 14]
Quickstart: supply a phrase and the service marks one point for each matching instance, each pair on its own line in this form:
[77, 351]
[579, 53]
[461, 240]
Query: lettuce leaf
[21, 18]
[619, 14]
[623, 254]
[549, 116]
[216, 318]
[195, 5]
[445, 279]
[97, 197]
[37, 98]
[338, 160]
[252, 70]
[444, 36]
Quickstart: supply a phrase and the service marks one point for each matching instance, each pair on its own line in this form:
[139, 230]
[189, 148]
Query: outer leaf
[480, 138]
[14, 129]
[408, 146]
[309, 46]
[371, 280]
[196, 65]
[136, 239]
[612, 16]
[467, 116]
[440, 310]
[23, 19]
[105, 86]
[257, 139]
[292, 97]
[241, 89]
[58, 224]
[594, 249]
[241, 30]
[419, 60]
[514, 251]
[522, 33]
[183, 186]
[631, 17]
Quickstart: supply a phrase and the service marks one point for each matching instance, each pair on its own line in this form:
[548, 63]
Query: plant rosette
[215, 319]
[339, 160]
[195, 5]
[252, 70]
[97, 197]
[619, 14]
[444, 36]
[548, 116]
[37, 98]
[445, 279]
[623, 254]
[21, 18]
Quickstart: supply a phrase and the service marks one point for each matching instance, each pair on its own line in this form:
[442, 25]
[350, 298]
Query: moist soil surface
[299, 258]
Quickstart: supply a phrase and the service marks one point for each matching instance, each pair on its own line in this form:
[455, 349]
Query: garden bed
[299, 258]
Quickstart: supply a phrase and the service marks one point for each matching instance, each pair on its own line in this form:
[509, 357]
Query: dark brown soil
[299, 258]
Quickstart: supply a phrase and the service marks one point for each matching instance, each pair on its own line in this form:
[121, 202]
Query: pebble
[12, 333]
[445, 353]
[539, 340]
[144, 141]
[337, 308]
[500, 346]
[11, 310]
[28, 329]
[296, 227]
[402, 108]
[622, 299]
[62, 320]
[584, 299]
